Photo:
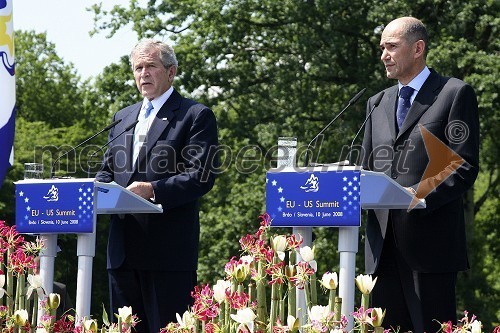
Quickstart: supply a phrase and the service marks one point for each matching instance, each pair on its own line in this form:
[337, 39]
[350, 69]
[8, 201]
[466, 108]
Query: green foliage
[47, 89]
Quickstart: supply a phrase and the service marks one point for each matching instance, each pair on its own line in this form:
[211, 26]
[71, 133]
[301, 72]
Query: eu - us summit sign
[53, 206]
[313, 197]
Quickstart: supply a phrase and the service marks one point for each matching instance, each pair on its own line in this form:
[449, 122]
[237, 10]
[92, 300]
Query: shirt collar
[159, 101]
[418, 81]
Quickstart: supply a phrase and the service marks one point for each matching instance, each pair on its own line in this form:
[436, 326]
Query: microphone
[351, 102]
[375, 104]
[110, 126]
[129, 127]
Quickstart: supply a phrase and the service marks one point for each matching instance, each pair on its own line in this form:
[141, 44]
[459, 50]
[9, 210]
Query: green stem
[22, 291]
[251, 296]
[17, 298]
[331, 300]
[314, 292]
[261, 293]
[227, 317]
[274, 306]
[307, 294]
[222, 312]
[365, 301]
[282, 310]
[292, 300]
[10, 286]
[337, 310]
[364, 328]
[34, 314]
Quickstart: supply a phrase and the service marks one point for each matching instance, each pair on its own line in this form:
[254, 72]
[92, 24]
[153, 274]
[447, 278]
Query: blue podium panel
[314, 197]
[55, 206]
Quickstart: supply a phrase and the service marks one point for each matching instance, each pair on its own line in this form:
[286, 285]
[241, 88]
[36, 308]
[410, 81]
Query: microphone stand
[375, 104]
[352, 101]
[52, 169]
[129, 127]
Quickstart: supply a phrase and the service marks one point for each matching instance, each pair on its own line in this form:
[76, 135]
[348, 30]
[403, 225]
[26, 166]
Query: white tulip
[20, 317]
[377, 316]
[90, 325]
[220, 290]
[187, 321]
[319, 313]
[292, 323]
[247, 260]
[125, 314]
[245, 317]
[307, 255]
[365, 283]
[475, 326]
[35, 284]
[53, 301]
[330, 280]
[2, 283]
[279, 243]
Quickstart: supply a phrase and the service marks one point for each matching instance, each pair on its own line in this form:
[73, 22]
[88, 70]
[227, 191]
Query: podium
[306, 197]
[49, 207]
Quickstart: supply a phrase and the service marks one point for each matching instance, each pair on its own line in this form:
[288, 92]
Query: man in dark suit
[427, 140]
[169, 158]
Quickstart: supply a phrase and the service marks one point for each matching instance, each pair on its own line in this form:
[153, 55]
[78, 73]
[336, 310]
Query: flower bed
[257, 295]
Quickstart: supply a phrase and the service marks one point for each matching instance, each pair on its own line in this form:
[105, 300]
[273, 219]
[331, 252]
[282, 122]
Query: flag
[7, 88]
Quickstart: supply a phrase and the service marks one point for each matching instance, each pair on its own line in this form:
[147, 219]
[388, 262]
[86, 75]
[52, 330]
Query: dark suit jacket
[430, 239]
[179, 160]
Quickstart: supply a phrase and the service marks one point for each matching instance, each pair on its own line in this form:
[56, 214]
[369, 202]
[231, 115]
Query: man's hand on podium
[142, 189]
[411, 190]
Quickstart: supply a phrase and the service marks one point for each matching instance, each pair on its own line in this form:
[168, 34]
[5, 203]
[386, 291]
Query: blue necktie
[141, 130]
[403, 104]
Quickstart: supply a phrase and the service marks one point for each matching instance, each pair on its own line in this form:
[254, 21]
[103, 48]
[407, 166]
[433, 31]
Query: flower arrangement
[20, 289]
[21, 293]
[239, 303]
[243, 303]
[267, 273]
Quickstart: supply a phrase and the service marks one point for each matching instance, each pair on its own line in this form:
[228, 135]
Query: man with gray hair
[168, 158]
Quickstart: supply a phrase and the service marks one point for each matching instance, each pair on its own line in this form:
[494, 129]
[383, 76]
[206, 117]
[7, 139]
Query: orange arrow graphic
[443, 162]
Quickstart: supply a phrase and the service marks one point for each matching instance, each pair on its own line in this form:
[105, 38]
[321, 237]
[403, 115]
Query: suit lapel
[390, 109]
[424, 99]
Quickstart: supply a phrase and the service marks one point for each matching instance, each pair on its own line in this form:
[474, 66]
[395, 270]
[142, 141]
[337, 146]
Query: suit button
[394, 175]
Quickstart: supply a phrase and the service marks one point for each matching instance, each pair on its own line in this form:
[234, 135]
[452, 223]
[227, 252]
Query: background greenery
[267, 68]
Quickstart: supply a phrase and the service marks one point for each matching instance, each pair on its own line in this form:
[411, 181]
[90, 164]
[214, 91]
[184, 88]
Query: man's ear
[171, 73]
[419, 48]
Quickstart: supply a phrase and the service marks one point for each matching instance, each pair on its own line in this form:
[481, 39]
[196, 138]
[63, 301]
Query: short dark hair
[414, 30]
